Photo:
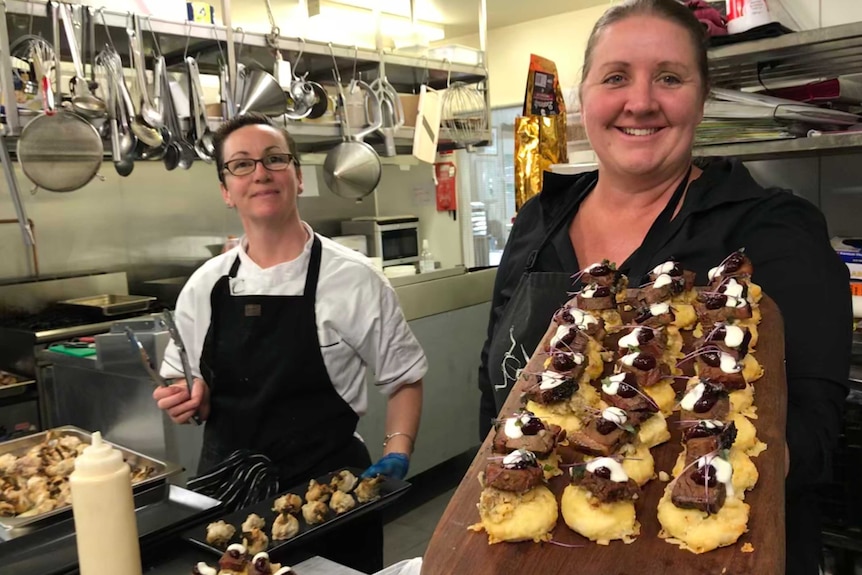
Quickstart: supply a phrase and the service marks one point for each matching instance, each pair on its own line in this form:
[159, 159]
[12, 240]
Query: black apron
[270, 393]
[539, 294]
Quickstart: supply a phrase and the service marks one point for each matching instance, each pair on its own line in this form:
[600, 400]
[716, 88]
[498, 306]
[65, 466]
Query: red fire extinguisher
[444, 175]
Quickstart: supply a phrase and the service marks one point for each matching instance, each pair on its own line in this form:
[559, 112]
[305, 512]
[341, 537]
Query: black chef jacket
[786, 239]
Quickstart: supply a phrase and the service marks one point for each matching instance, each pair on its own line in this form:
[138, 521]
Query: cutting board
[455, 550]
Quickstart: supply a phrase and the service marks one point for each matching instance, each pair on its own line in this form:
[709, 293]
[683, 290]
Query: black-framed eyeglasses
[272, 162]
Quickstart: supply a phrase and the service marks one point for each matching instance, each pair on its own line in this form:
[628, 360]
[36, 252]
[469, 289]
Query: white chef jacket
[359, 319]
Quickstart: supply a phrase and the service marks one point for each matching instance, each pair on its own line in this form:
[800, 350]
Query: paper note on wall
[310, 187]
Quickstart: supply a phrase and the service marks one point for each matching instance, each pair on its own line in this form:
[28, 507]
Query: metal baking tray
[161, 512]
[110, 304]
[21, 445]
[390, 490]
[18, 387]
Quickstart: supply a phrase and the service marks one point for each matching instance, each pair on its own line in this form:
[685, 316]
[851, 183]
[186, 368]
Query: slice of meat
[712, 308]
[736, 265]
[650, 341]
[516, 480]
[647, 370]
[592, 325]
[713, 403]
[690, 494]
[697, 447]
[629, 397]
[552, 395]
[568, 338]
[603, 274]
[645, 316]
[596, 302]
[591, 441]
[650, 295]
[540, 443]
[608, 491]
[730, 381]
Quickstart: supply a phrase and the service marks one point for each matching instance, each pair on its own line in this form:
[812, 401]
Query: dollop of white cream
[662, 280]
[513, 425]
[692, 397]
[615, 415]
[562, 331]
[711, 423]
[629, 359]
[611, 385]
[657, 309]
[733, 336]
[733, 288]
[238, 548]
[723, 471]
[551, 379]
[630, 339]
[664, 268]
[205, 569]
[590, 268]
[261, 555]
[514, 458]
[589, 291]
[284, 571]
[618, 474]
[582, 318]
[715, 272]
[735, 302]
[728, 364]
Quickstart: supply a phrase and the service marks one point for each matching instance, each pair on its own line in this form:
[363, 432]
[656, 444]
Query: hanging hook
[188, 39]
[157, 51]
[241, 32]
[427, 77]
[218, 45]
[355, 60]
[335, 71]
[448, 63]
[101, 12]
[301, 52]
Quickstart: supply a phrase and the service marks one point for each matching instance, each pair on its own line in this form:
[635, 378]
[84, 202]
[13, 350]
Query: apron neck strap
[234, 268]
[635, 267]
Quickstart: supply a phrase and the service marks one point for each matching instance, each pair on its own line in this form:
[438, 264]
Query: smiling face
[264, 195]
[642, 97]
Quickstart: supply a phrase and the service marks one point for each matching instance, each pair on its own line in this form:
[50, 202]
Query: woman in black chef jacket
[643, 88]
[281, 328]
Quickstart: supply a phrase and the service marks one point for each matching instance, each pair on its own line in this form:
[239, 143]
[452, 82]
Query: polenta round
[507, 516]
[698, 532]
[597, 521]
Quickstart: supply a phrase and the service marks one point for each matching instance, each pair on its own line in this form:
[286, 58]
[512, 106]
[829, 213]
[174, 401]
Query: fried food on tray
[369, 489]
[315, 512]
[284, 527]
[289, 503]
[255, 540]
[253, 521]
[342, 502]
[318, 492]
[700, 532]
[344, 481]
[219, 533]
[37, 481]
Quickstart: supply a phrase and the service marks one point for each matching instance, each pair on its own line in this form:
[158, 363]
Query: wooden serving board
[453, 550]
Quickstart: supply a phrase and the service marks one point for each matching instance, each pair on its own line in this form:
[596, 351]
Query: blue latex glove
[393, 465]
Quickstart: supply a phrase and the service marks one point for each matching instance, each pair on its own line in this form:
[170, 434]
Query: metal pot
[352, 168]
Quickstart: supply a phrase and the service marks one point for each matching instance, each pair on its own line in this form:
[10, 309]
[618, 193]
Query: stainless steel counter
[424, 295]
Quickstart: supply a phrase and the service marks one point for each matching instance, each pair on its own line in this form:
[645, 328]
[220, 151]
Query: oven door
[399, 244]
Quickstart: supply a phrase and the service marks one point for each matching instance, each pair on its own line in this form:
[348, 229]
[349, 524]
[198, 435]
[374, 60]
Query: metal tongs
[168, 318]
[138, 348]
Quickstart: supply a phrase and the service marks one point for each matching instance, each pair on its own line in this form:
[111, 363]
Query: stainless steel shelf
[823, 52]
[843, 143]
[403, 71]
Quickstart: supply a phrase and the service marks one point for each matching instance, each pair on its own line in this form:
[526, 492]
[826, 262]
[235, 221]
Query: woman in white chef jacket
[281, 328]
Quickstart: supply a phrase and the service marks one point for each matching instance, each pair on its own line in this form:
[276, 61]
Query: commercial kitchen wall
[157, 223]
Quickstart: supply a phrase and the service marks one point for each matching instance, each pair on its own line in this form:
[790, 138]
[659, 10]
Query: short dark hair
[249, 119]
[669, 10]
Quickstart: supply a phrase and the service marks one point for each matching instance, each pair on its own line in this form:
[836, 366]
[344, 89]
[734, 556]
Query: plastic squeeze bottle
[104, 512]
